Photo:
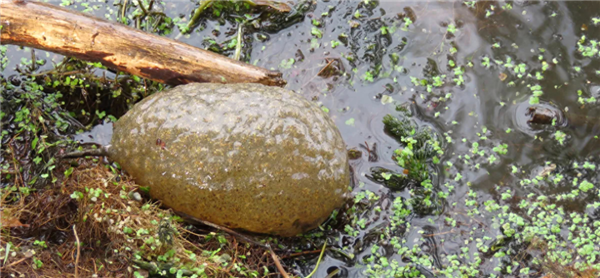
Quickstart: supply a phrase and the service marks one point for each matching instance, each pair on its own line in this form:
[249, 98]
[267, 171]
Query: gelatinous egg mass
[246, 156]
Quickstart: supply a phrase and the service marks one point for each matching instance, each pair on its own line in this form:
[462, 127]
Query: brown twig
[13, 264]
[278, 263]
[372, 151]
[98, 40]
[329, 62]
[303, 253]
[227, 230]
[103, 151]
[78, 252]
[190, 232]
[7, 171]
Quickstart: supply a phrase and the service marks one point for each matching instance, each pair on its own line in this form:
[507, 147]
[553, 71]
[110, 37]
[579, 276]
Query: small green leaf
[34, 142]
[451, 28]
[585, 186]
[68, 172]
[315, 31]
[350, 122]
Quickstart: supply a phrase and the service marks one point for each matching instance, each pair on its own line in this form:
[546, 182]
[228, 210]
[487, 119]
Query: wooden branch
[55, 29]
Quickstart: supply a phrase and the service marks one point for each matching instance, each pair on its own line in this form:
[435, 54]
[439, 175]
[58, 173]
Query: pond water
[509, 197]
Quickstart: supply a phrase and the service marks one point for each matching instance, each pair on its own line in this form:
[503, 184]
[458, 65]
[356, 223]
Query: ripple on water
[529, 119]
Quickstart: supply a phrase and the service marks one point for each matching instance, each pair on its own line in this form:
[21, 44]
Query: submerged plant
[420, 147]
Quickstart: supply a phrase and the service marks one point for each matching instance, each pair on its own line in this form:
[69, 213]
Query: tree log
[119, 47]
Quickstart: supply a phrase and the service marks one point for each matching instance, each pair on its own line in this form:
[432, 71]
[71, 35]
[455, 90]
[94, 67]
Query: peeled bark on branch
[55, 29]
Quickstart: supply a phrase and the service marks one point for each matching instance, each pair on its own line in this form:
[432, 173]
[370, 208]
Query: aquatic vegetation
[419, 147]
[516, 233]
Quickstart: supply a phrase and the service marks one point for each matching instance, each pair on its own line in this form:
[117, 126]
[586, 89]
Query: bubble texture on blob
[246, 156]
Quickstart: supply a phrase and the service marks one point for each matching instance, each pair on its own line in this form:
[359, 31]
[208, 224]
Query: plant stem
[203, 5]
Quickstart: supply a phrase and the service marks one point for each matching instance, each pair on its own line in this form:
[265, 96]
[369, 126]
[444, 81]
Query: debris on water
[334, 67]
[545, 115]
[354, 154]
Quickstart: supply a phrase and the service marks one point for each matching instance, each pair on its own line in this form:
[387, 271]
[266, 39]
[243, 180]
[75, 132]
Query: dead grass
[556, 270]
[119, 235]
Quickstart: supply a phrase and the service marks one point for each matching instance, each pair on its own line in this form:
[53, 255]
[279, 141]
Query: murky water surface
[380, 48]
